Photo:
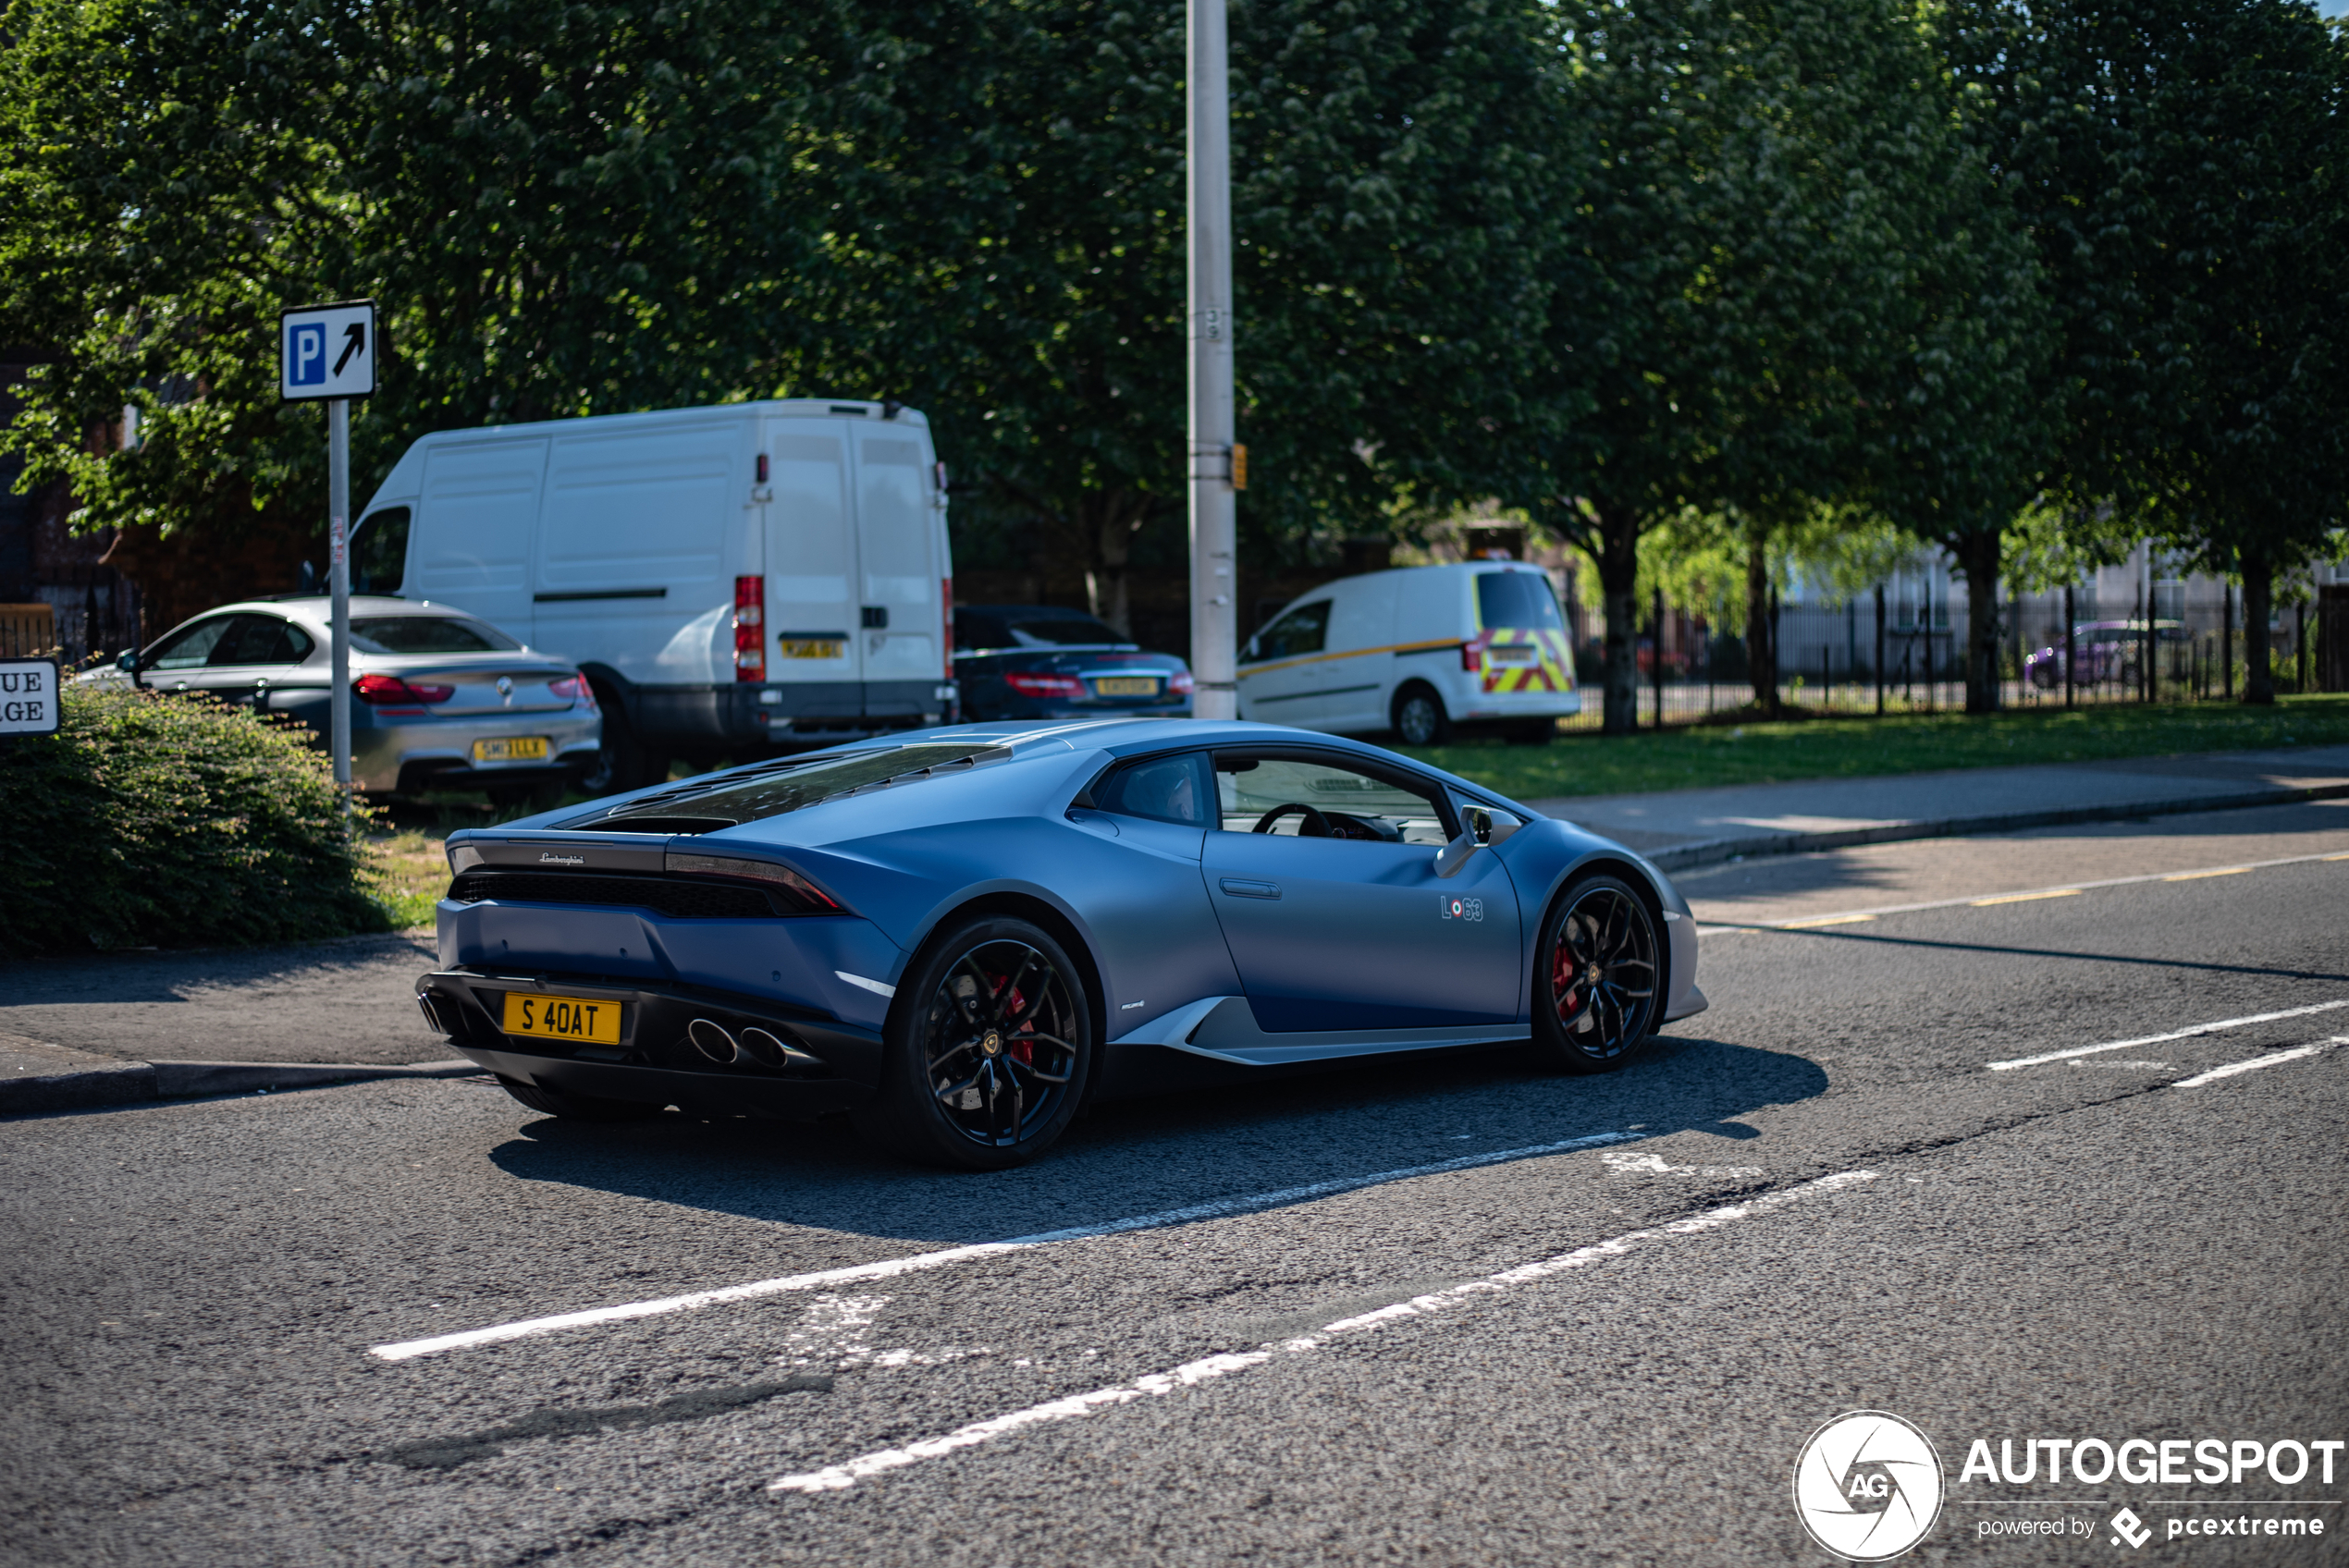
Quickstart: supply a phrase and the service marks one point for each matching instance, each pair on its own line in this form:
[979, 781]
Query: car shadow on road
[1139, 1156]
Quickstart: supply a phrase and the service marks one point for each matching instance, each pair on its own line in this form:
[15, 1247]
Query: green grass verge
[1845, 748]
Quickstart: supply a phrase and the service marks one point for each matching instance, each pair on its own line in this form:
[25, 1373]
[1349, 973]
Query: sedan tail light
[573, 689]
[750, 629]
[1028, 684]
[390, 692]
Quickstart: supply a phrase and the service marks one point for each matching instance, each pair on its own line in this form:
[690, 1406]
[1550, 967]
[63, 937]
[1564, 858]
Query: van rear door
[812, 568]
[901, 619]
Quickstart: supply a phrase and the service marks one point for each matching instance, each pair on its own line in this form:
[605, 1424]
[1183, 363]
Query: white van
[1417, 649]
[731, 580]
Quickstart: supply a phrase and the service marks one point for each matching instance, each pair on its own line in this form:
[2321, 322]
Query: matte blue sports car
[957, 935]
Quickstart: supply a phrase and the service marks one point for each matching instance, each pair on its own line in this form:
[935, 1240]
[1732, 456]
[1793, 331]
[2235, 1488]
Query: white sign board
[28, 697]
[327, 352]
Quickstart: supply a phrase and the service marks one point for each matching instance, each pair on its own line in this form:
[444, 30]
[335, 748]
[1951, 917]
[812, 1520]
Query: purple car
[2108, 650]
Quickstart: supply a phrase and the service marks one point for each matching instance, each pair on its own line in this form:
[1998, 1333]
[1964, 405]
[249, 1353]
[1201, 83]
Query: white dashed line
[1978, 901]
[890, 1268]
[2174, 1034]
[838, 1478]
[2257, 1063]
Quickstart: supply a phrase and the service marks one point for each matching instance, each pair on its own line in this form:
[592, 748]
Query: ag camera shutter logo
[1867, 1485]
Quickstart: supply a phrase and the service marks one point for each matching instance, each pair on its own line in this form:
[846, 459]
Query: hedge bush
[169, 821]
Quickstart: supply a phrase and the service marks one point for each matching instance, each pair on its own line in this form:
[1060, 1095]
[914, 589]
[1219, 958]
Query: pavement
[1687, 827]
[2023, 1171]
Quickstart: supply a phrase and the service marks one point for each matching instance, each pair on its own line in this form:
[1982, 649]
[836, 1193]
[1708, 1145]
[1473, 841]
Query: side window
[1316, 798]
[379, 551]
[260, 639]
[1302, 630]
[191, 647]
[1162, 789]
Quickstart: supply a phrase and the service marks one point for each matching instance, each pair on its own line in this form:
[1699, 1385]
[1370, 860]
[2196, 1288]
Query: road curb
[136, 1082]
[1709, 851]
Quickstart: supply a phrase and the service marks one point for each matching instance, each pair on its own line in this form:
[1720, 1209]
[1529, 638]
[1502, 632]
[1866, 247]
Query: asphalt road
[1818, 1197]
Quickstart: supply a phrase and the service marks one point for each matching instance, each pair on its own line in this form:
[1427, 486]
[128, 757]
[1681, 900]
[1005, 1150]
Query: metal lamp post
[1215, 582]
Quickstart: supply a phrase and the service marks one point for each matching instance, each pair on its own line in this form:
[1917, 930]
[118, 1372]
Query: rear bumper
[437, 753]
[653, 1062]
[819, 712]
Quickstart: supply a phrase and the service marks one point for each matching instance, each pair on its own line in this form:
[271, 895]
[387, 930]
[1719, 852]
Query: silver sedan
[441, 700]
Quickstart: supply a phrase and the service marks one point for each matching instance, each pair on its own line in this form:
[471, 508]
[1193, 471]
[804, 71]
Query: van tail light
[1028, 684]
[1181, 683]
[750, 629]
[390, 692]
[946, 608]
[1471, 658]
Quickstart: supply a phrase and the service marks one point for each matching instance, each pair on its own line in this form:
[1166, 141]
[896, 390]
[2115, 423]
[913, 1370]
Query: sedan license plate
[514, 748]
[561, 1018]
[1127, 685]
[818, 648]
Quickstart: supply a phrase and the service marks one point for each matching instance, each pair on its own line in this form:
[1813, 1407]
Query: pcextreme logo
[1867, 1485]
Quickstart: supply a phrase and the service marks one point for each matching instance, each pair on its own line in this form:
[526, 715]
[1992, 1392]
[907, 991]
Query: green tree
[1019, 268]
[1746, 287]
[2178, 162]
[561, 209]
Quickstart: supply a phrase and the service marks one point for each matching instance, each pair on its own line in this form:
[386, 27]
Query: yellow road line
[2026, 898]
[2333, 857]
[2199, 876]
[1824, 920]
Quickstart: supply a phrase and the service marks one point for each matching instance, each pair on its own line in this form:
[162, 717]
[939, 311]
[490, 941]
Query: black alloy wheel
[1418, 716]
[1599, 988]
[987, 1050]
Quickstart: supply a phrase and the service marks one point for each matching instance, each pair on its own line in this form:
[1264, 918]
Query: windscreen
[771, 792]
[428, 634]
[1520, 601]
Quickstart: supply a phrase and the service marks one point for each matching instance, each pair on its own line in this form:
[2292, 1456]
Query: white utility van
[732, 579]
[1416, 650]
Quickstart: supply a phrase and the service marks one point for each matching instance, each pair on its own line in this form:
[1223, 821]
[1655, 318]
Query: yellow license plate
[810, 650]
[517, 747]
[561, 1018]
[1127, 686]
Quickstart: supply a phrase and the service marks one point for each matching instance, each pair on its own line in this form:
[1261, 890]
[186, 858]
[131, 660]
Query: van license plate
[1127, 686]
[514, 748]
[561, 1018]
[1504, 654]
[810, 650]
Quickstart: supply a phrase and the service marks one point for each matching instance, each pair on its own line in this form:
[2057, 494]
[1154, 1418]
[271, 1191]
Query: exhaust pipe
[756, 1047]
[713, 1042]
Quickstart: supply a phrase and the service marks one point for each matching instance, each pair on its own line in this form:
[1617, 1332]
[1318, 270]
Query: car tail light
[750, 629]
[573, 689]
[946, 608]
[1032, 685]
[1181, 683]
[796, 890]
[1471, 658]
[390, 692]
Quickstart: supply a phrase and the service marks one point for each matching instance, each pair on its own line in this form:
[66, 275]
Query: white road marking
[1653, 1165]
[1191, 1374]
[890, 1268]
[1726, 927]
[2174, 1034]
[2257, 1063]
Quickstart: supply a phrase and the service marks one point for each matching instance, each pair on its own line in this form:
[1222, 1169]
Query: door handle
[1239, 888]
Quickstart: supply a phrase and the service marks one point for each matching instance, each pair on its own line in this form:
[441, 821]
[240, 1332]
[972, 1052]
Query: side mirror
[1480, 827]
[127, 661]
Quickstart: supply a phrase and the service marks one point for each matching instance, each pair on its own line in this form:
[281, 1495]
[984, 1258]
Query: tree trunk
[1978, 558]
[1111, 520]
[2258, 606]
[1761, 646]
[1620, 588]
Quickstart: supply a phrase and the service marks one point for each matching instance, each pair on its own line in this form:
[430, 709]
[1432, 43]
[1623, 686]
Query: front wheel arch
[1568, 882]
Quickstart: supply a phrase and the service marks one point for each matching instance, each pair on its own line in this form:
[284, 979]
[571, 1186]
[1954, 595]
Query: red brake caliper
[1562, 978]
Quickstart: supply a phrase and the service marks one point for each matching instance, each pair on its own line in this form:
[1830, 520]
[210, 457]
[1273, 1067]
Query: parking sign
[327, 352]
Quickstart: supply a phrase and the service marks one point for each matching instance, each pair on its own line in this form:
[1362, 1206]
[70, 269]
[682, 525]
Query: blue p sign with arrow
[327, 350]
